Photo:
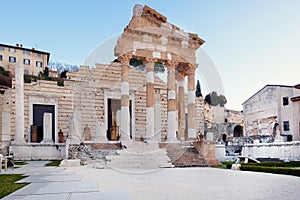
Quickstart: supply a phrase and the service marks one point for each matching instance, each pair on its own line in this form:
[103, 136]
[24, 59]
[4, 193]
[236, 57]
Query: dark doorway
[113, 106]
[238, 131]
[38, 114]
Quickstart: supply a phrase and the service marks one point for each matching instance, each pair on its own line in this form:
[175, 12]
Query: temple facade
[110, 102]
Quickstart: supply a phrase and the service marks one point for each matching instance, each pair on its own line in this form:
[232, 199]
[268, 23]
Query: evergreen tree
[198, 89]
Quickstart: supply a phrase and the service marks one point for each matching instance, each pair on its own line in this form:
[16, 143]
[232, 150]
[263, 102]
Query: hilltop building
[34, 61]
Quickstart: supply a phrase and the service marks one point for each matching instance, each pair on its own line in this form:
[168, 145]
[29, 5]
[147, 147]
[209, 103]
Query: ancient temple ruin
[111, 102]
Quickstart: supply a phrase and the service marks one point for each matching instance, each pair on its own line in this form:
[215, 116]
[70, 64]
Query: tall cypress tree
[198, 89]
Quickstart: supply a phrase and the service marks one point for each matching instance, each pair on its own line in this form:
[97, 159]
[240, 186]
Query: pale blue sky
[251, 42]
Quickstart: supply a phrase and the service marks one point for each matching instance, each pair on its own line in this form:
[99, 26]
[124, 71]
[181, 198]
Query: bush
[4, 72]
[277, 164]
[274, 170]
[27, 78]
[60, 82]
[5, 80]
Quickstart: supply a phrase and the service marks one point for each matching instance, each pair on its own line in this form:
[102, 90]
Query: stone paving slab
[35, 197]
[57, 187]
[51, 178]
[111, 195]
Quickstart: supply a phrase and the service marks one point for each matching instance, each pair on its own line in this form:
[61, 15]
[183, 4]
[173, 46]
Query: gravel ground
[195, 183]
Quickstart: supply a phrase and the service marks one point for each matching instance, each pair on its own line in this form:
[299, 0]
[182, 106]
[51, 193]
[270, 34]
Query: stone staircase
[184, 155]
[139, 157]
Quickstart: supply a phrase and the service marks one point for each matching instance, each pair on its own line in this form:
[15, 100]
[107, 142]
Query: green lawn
[53, 163]
[8, 185]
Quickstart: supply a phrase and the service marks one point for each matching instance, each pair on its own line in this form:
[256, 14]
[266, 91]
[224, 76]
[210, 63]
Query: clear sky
[251, 42]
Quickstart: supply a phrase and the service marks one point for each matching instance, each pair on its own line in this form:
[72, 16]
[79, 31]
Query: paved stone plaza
[171, 183]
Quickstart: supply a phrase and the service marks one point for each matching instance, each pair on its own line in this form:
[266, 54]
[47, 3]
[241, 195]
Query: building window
[12, 59]
[11, 49]
[26, 61]
[39, 55]
[1, 58]
[26, 52]
[286, 125]
[285, 101]
[26, 71]
[39, 64]
[2, 48]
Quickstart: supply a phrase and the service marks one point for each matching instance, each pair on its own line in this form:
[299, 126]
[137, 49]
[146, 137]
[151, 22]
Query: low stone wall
[38, 151]
[288, 151]
[221, 154]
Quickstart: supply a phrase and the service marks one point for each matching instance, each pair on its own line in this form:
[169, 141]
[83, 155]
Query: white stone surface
[171, 94]
[210, 136]
[156, 54]
[137, 10]
[70, 163]
[169, 55]
[124, 88]
[150, 77]
[164, 40]
[6, 128]
[100, 132]
[47, 128]
[38, 151]
[147, 38]
[181, 83]
[287, 151]
[172, 127]
[150, 123]
[196, 183]
[191, 97]
[157, 125]
[111, 195]
[191, 133]
[125, 123]
[75, 136]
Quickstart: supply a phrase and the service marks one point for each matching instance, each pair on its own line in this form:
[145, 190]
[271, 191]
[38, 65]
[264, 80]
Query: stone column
[125, 115]
[19, 105]
[150, 134]
[181, 109]
[191, 103]
[47, 128]
[171, 103]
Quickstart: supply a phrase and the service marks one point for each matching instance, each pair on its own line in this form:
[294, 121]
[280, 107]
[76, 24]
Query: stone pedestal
[47, 128]
[100, 136]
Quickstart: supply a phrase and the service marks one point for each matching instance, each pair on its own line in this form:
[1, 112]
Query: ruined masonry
[110, 103]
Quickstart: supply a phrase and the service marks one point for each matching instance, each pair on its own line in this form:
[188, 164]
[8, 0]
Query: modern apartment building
[33, 60]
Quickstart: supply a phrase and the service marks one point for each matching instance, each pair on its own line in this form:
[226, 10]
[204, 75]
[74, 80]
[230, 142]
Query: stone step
[183, 155]
[139, 155]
